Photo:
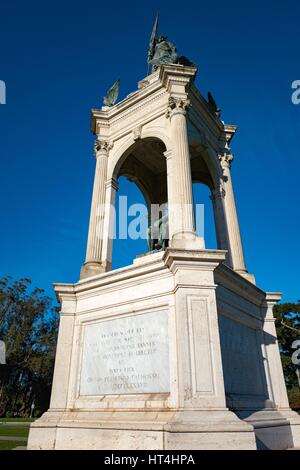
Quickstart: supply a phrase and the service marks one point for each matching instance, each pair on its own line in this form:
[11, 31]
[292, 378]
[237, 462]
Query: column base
[91, 268]
[187, 242]
[246, 275]
[276, 429]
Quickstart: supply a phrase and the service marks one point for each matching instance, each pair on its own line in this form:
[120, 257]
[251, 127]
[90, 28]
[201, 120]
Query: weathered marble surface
[126, 355]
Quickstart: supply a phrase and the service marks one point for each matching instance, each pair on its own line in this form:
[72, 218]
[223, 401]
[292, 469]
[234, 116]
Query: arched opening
[142, 179]
[129, 199]
[204, 214]
[204, 180]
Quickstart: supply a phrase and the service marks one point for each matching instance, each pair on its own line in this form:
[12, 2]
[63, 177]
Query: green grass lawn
[17, 420]
[16, 431]
[9, 445]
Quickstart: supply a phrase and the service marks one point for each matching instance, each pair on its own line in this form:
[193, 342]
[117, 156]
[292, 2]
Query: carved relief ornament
[226, 160]
[103, 146]
[177, 105]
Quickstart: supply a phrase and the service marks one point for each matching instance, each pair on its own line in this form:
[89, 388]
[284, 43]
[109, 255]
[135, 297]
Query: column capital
[102, 147]
[272, 298]
[177, 106]
[225, 160]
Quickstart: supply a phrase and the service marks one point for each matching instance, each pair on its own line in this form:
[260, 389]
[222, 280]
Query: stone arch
[144, 163]
[119, 156]
[206, 167]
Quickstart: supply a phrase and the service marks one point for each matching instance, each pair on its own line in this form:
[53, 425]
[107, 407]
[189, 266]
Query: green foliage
[287, 322]
[28, 325]
[294, 397]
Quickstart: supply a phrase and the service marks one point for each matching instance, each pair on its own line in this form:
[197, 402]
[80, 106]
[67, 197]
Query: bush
[294, 398]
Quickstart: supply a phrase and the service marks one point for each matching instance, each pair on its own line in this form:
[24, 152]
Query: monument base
[168, 353]
[274, 429]
[155, 430]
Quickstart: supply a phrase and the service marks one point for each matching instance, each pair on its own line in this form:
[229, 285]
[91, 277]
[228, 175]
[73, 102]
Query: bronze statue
[158, 234]
[165, 53]
[112, 94]
[213, 105]
[161, 51]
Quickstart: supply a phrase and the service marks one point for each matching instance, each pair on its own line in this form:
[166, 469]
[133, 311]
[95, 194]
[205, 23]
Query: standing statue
[158, 234]
[165, 53]
[161, 51]
[213, 105]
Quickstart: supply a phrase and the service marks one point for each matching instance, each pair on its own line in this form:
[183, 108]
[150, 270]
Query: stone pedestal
[138, 363]
[176, 351]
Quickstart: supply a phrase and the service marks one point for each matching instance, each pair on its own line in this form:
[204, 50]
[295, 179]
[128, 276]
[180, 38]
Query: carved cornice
[177, 105]
[100, 125]
[102, 146]
[230, 130]
[143, 84]
[171, 75]
[139, 110]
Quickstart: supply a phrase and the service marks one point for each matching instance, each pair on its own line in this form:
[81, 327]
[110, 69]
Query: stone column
[109, 224]
[234, 235]
[168, 155]
[180, 195]
[274, 372]
[217, 197]
[93, 265]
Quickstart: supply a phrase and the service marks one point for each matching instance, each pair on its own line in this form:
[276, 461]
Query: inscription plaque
[126, 355]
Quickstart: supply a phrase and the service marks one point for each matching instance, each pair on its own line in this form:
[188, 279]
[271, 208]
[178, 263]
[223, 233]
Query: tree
[287, 322]
[28, 325]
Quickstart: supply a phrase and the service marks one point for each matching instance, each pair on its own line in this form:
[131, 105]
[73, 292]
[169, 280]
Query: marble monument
[177, 350]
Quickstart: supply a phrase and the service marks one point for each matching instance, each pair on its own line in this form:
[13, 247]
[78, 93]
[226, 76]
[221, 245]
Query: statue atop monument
[213, 105]
[161, 51]
[112, 94]
[165, 53]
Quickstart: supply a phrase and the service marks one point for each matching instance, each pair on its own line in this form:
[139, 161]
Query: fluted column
[217, 197]
[109, 227]
[234, 235]
[93, 265]
[180, 194]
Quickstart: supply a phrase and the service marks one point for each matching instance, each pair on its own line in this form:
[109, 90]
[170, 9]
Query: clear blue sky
[59, 58]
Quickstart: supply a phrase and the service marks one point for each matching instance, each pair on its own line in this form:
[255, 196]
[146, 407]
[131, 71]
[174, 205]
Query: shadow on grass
[9, 445]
